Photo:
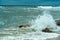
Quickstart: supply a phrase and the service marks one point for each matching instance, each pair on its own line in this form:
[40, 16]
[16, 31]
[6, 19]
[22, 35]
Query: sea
[38, 17]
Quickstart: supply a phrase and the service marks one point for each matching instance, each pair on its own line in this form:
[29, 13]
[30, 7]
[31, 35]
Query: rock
[58, 22]
[46, 30]
[24, 25]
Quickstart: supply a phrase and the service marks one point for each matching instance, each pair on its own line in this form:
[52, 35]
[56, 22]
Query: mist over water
[38, 18]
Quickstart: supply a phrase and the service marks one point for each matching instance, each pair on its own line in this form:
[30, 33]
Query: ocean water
[39, 17]
[31, 2]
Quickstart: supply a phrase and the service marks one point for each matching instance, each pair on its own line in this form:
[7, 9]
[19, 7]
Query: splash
[41, 22]
[44, 21]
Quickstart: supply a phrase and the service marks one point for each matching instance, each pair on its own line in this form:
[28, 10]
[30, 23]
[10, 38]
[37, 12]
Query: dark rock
[46, 30]
[24, 25]
[58, 22]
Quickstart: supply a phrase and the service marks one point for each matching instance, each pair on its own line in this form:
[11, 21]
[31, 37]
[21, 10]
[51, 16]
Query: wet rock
[58, 22]
[46, 30]
[24, 25]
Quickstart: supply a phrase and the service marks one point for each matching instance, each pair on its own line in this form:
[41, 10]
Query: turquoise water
[12, 16]
[31, 2]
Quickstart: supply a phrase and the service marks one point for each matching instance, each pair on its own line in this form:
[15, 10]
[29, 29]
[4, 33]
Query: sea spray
[41, 22]
[44, 21]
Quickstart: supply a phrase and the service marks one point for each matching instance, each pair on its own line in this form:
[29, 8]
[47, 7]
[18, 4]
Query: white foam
[45, 7]
[41, 22]
[44, 21]
[31, 36]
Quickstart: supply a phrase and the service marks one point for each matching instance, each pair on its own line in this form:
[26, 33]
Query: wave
[39, 23]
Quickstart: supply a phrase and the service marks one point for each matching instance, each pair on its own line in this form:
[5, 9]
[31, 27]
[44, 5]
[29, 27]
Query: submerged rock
[46, 30]
[24, 25]
[58, 22]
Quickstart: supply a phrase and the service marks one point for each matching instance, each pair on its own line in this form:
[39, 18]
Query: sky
[30, 2]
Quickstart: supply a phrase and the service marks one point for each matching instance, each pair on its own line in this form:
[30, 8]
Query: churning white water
[44, 21]
[41, 22]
